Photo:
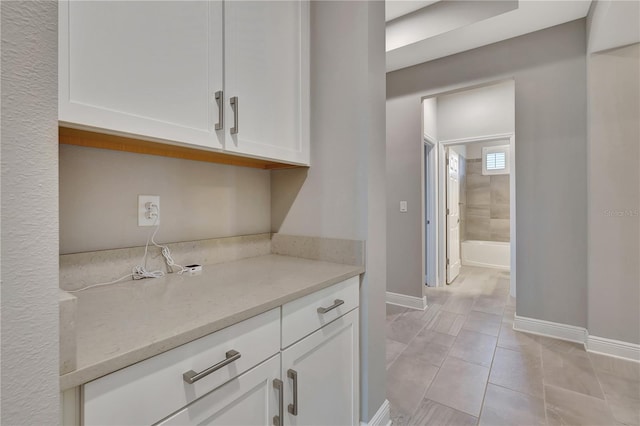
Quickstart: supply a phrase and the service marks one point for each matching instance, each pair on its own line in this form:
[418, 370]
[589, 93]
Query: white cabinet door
[266, 70]
[146, 68]
[250, 399]
[321, 376]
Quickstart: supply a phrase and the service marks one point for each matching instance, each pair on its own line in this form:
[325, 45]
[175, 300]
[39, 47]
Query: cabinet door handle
[277, 420]
[293, 408]
[220, 102]
[336, 303]
[192, 377]
[234, 107]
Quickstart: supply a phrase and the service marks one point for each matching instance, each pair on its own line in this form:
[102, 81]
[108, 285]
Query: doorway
[479, 203]
[467, 118]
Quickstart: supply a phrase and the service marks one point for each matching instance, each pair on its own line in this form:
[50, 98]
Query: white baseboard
[382, 416]
[484, 265]
[556, 330]
[615, 348]
[407, 301]
[571, 333]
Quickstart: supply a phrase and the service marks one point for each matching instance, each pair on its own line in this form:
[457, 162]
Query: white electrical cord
[99, 285]
[140, 272]
[166, 253]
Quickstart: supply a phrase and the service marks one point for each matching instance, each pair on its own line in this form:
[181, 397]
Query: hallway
[460, 363]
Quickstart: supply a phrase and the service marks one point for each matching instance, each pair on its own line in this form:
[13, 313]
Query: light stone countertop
[121, 324]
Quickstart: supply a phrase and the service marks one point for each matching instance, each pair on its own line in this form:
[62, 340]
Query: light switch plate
[403, 206]
[143, 218]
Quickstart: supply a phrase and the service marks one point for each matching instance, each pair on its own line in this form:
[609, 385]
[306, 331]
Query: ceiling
[446, 27]
[396, 8]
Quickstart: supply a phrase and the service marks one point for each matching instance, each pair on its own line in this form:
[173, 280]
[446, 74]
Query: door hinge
[448, 211]
[447, 262]
[447, 161]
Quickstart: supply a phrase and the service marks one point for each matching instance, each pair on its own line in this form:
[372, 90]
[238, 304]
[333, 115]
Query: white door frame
[429, 194]
[442, 145]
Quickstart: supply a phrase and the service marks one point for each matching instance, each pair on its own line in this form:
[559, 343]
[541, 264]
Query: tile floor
[460, 363]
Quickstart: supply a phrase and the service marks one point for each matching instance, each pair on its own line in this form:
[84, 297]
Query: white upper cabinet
[144, 68]
[266, 71]
[151, 69]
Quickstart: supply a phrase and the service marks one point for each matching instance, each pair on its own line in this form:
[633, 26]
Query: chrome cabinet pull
[192, 377]
[293, 408]
[336, 303]
[220, 102]
[234, 107]
[277, 420]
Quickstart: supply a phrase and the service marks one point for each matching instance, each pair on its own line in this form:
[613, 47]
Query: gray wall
[614, 194]
[404, 242]
[477, 112]
[342, 194]
[29, 211]
[430, 120]
[99, 194]
[549, 70]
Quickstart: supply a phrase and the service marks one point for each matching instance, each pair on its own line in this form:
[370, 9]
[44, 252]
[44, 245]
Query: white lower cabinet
[250, 399]
[321, 376]
[147, 392]
[293, 365]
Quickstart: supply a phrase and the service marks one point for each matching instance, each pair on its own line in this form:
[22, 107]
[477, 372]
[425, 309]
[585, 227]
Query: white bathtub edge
[484, 265]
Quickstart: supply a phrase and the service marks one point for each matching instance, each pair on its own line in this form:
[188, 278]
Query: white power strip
[193, 268]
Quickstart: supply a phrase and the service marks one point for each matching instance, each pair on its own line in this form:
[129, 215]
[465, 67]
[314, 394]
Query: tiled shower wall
[487, 204]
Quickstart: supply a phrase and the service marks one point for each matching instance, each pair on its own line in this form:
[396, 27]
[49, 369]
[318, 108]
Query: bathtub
[490, 254]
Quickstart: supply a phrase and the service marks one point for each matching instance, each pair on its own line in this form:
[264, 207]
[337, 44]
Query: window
[495, 160]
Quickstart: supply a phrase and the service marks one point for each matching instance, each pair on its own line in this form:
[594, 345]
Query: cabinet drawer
[249, 399]
[302, 316]
[150, 390]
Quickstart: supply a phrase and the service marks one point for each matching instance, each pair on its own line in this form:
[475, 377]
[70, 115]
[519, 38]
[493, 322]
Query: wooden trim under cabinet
[87, 138]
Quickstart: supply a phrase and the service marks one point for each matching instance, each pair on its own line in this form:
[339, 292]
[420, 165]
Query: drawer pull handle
[277, 420]
[234, 106]
[293, 408]
[336, 303]
[192, 377]
[220, 102]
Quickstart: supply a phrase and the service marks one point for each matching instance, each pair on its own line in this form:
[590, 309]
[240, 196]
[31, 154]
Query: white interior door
[453, 216]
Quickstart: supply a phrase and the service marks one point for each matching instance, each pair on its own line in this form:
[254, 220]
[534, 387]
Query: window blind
[496, 161]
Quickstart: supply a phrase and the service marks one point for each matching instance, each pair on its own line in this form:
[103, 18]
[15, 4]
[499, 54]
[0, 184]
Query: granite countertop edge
[90, 372]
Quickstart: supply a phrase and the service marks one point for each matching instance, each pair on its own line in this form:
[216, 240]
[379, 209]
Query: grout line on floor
[486, 385]
[604, 394]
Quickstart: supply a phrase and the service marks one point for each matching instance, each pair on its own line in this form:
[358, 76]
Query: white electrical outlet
[403, 206]
[148, 210]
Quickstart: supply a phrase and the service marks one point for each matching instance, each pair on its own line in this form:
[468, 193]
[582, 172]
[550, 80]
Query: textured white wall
[99, 194]
[29, 211]
[342, 194]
